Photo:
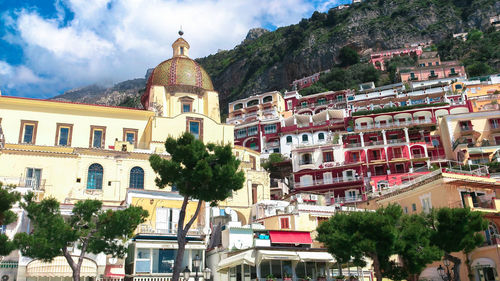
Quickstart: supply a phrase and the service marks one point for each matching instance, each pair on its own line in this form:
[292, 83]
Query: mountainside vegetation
[267, 61]
[275, 59]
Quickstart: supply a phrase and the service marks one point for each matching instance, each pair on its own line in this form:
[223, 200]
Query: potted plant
[270, 277]
[287, 277]
[321, 278]
[307, 278]
[339, 278]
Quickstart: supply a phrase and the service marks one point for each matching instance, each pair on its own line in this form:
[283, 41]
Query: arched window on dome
[136, 178]
[94, 178]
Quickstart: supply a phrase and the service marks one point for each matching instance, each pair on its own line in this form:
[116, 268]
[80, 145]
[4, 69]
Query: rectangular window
[186, 107]
[97, 136]
[241, 133]
[130, 135]
[328, 156]
[429, 64]
[406, 210]
[27, 134]
[269, 129]
[252, 131]
[433, 73]
[285, 223]
[3, 229]
[64, 134]
[33, 178]
[194, 128]
[397, 152]
[452, 70]
[143, 261]
[164, 259]
[414, 207]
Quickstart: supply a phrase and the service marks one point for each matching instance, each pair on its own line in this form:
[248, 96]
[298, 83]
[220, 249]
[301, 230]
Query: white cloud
[110, 41]
[17, 75]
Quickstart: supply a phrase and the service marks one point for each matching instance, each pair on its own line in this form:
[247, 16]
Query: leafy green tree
[89, 228]
[359, 234]
[479, 68]
[414, 246]
[200, 172]
[336, 235]
[348, 56]
[7, 200]
[456, 230]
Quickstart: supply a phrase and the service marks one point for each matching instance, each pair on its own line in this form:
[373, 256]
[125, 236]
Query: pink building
[378, 59]
[431, 67]
[305, 82]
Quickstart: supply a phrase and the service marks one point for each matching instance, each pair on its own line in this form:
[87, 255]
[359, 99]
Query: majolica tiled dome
[178, 74]
[180, 71]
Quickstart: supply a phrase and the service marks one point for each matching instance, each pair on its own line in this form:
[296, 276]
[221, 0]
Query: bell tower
[180, 46]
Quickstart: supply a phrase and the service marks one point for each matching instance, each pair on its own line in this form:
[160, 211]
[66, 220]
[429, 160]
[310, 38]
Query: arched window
[237, 106]
[94, 179]
[137, 178]
[321, 136]
[267, 99]
[305, 138]
[289, 139]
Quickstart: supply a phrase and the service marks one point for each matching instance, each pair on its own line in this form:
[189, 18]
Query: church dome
[180, 71]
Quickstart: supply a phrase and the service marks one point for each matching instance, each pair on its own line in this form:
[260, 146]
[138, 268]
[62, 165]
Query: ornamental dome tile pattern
[180, 71]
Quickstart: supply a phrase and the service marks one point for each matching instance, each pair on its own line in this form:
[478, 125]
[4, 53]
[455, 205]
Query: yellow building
[455, 189]
[73, 152]
[471, 138]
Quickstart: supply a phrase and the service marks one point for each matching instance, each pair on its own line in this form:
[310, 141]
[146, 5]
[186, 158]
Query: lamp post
[207, 274]
[196, 265]
[186, 272]
[446, 275]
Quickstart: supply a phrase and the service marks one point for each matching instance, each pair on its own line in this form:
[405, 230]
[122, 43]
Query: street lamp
[207, 274]
[196, 265]
[186, 272]
[446, 272]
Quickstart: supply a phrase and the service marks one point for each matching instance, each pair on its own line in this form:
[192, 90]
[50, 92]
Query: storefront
[59, 270]
[155, 256]
[282, 264]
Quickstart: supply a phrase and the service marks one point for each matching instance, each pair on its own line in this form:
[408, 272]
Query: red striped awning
[114, 271]
[290, 237]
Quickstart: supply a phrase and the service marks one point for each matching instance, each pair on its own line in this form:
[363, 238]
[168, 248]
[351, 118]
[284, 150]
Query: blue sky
[50, 46]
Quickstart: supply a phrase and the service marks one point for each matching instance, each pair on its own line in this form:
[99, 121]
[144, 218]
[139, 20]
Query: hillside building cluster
[421, 144]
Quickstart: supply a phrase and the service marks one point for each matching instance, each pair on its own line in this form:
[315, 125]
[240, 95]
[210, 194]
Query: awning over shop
[114, 271]
[59, 267]
[483, 262]
[430, 273]
[483, 150]
[290, 237]
[277, 255]
[246, 257]
[315, 256]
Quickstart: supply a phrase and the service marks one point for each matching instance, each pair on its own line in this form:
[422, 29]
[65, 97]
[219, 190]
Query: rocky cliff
[267, 61]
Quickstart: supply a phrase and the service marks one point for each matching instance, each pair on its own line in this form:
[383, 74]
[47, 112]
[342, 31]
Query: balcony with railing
[323, 182]
[170, 228]
[24, 185]
[373, 143]
[347, 199]
[394, 124]
[352, 145]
